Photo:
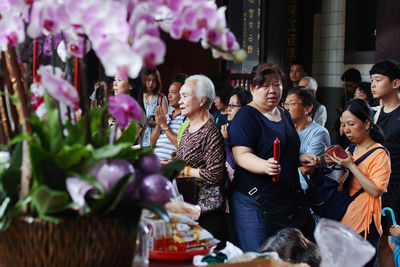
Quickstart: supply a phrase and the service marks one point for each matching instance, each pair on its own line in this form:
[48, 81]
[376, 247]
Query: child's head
[385, 79]
[293, 247]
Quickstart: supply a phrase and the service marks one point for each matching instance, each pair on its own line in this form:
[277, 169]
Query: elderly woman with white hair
[318, 114]
[202, 148]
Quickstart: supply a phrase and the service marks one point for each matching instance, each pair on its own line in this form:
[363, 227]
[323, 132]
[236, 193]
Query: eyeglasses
[291, 105]
[234, 106]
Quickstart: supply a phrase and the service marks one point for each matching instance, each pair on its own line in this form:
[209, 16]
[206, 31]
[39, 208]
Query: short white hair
[204, 88]
[312, 83]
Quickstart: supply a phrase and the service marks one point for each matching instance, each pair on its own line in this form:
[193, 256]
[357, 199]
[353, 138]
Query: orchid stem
[84, 93]
[53, 54]
[53, 64]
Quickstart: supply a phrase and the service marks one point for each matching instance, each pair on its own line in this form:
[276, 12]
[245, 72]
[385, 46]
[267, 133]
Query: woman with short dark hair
[252, 133]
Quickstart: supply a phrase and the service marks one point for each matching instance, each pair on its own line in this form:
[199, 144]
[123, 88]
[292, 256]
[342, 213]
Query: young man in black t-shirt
[385, 84]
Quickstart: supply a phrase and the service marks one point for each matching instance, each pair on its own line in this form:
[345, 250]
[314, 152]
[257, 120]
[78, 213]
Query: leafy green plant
[58, 151]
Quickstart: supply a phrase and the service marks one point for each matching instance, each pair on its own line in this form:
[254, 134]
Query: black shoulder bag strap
[358, 161]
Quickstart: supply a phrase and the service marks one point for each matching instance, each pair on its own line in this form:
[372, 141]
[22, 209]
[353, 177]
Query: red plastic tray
[176, 255]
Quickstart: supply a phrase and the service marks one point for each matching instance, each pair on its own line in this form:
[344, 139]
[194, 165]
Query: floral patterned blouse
[205, 149]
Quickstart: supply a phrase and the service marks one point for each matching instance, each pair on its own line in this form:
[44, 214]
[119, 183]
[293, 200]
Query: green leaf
[36, 155]
[14, 98]
[52, 219]
[48, 201]
[91, 180]
[44, 168]
[110, 199]
[19, 138]
[4, 206]
[129, 134]
[109, 151]
[98, 118]
[53, 125]
[9, 183]
[70, 156]
[76, 132]
[173, 169]
[16, 157]
[132, 154]
[99, 126]
[39, 129]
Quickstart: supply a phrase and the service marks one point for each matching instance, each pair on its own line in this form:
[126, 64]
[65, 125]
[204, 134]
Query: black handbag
[294, 213]
[329, 198]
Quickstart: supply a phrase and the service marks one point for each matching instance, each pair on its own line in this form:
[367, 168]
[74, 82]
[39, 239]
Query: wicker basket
[84, 242]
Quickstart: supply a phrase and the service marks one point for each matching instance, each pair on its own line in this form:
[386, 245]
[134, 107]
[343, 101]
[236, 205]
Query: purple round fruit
[156, 188]
[149, 163]
[109, 172]
[133, 189]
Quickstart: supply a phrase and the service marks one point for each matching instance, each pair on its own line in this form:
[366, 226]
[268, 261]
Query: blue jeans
[248, 221]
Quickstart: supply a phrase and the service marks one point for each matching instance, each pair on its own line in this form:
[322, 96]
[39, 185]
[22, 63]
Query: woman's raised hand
[347, 162]
[160, 118]
[272, 168]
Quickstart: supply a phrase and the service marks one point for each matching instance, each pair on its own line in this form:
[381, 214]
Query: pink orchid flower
[78, 190]
[11, 31]
[124, 109]
[57, 86]
[37, 99]
[117, 56]
[47, 17]
[152, 50]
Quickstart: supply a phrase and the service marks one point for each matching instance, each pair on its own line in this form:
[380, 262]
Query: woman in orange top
[372, 174]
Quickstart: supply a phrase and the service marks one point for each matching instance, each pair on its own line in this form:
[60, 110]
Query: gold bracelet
[188, 171]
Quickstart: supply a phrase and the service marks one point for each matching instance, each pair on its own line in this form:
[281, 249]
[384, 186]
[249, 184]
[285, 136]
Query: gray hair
[204, 88]
[312, 83]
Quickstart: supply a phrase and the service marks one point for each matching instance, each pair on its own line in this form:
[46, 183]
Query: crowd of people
[248, 196]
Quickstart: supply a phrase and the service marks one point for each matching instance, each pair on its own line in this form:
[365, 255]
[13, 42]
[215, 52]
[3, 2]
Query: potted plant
[71, 190]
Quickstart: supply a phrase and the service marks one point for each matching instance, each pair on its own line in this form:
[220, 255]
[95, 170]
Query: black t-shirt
[390, 124]
[252, 129]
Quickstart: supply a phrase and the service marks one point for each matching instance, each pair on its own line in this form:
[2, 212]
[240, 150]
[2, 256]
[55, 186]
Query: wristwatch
[165, 129]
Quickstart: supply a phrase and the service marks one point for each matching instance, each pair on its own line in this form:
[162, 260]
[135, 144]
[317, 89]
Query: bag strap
[358, 161]
[252, 190]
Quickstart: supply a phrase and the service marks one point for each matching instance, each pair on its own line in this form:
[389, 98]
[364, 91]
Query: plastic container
[141, 257]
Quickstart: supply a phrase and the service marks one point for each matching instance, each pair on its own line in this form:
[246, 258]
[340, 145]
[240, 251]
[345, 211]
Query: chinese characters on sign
[291, 32]
[251, 28]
